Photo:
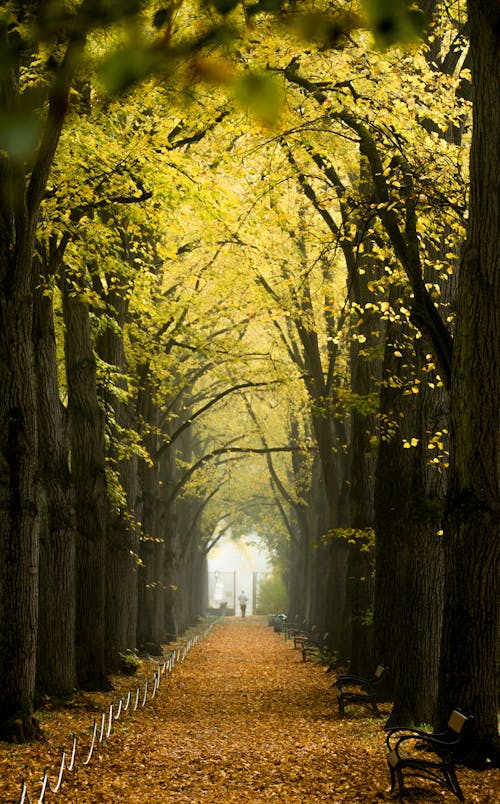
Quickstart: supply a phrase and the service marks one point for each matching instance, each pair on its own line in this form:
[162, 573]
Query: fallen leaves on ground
[243, 719]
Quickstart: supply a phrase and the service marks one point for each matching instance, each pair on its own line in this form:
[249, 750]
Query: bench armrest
[450, 737]
[355, 681]
[422, 742]
[406, 731]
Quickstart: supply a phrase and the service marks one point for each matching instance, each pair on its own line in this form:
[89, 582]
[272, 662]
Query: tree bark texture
[175, 546]
[21, 194]
[19, 503]
[19, 513]
[308, 504]
[472, 538]
[409, 500]
[151, 575]
[331, 556]
[88, 472]
[56, 662]
[122, 529]
[185, 527]
[365, 370]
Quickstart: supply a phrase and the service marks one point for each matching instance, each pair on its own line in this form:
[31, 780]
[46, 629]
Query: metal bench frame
[317, 647]
[356, 690]
[421, 754]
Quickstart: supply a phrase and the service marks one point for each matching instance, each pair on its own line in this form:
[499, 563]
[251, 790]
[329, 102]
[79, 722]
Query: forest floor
[242, 719]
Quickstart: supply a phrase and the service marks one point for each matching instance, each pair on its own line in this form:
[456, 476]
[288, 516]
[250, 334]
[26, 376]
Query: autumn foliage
[242, 719]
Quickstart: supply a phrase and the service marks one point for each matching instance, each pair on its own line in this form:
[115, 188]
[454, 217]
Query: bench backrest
[457, 721]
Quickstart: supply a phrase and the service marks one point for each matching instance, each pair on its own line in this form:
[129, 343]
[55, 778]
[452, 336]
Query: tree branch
[209, 456]
[425, 314]
[203, 409]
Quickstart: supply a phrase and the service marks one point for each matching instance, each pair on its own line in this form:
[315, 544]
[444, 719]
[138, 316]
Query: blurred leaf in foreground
[394, 21]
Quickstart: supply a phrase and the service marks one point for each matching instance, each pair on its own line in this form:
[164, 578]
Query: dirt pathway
[243, 719]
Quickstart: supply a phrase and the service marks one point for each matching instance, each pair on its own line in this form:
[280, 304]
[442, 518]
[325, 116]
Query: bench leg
[401, 783]
[452, 782]
[393, 777]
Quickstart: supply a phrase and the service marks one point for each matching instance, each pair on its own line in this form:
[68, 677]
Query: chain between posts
[102, 730]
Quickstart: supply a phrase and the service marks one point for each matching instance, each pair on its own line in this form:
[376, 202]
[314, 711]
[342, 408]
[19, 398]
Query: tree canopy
[233, 298]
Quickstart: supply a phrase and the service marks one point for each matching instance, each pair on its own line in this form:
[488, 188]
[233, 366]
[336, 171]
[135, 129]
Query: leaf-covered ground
[242, 719]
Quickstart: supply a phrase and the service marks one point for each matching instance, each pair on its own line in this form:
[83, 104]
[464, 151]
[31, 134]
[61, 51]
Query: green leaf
[103, 12]
[261, 94]
[162, 16]
[328, 31]
[224, 6]
[264, 7]
[394, 21]
[19, 135]
[125, 67]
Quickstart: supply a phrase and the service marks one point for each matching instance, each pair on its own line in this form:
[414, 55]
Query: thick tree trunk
[151, 574]
[122, 530]
[176, 542]
[180, 613]
[56, 664]
[409, 498]
[315, 567]
[366, 371]
[357, 639]
[88, 473]
[19, 512]
[20, 198]
[151, 593]
[200, 586]
[310, 519]
[472, 538]
[331, 553]
[122, 553]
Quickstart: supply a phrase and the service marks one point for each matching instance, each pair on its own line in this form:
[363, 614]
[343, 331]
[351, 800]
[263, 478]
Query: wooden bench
[317, 648]
[306, 635]
[296, 628]
[415, 753]
[356, 690]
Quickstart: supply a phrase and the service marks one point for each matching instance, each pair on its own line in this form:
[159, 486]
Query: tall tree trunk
[122, 554]
[409, 559]
[358, 623]
[122, 529]
[19, 503]
[472, 539]
[88, 473]
[331, 553]
[56, 664]
[308, 504]
[365, 370]
[21, 194]
[151, 574]
[176, 543]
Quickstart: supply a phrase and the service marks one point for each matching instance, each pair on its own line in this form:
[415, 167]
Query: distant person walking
[243, 600]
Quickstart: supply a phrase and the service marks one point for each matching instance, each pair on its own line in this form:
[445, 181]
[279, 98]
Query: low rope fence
[103, 726]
